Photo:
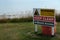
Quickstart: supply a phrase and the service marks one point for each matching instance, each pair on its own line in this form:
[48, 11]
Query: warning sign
[43, 20]
[44, 17]
[47, 12]
[36, 12]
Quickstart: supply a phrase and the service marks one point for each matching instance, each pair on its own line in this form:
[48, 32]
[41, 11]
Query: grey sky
[19, 5]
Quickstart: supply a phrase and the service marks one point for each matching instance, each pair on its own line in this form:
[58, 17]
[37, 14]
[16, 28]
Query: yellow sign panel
[47, 12]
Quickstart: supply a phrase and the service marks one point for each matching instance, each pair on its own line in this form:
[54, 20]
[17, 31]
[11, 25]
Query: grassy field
[23, 31]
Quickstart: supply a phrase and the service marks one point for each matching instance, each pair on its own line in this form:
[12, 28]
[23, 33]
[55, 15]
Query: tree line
[27, 19]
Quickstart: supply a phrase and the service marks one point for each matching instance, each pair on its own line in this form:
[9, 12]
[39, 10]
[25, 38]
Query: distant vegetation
[27, 19]
[58, 18]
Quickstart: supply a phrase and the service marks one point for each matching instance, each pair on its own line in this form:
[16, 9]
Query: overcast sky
[19, 5]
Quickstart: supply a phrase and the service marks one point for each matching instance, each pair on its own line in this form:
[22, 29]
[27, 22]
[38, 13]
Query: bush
[3, 20]
[29, 19]
[58, 18]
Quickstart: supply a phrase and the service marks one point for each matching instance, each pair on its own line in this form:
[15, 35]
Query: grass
[23, 31]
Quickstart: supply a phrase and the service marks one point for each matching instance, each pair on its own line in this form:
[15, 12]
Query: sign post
[36, 13]
[36, 28]
[52, 31]
[46, 18]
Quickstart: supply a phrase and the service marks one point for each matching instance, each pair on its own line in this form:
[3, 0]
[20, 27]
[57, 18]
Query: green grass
[23, 31]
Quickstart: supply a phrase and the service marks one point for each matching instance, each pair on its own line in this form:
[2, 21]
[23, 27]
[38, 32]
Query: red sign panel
[44, 18]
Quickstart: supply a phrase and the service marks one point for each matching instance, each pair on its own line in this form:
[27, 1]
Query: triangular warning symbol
[36, 12]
